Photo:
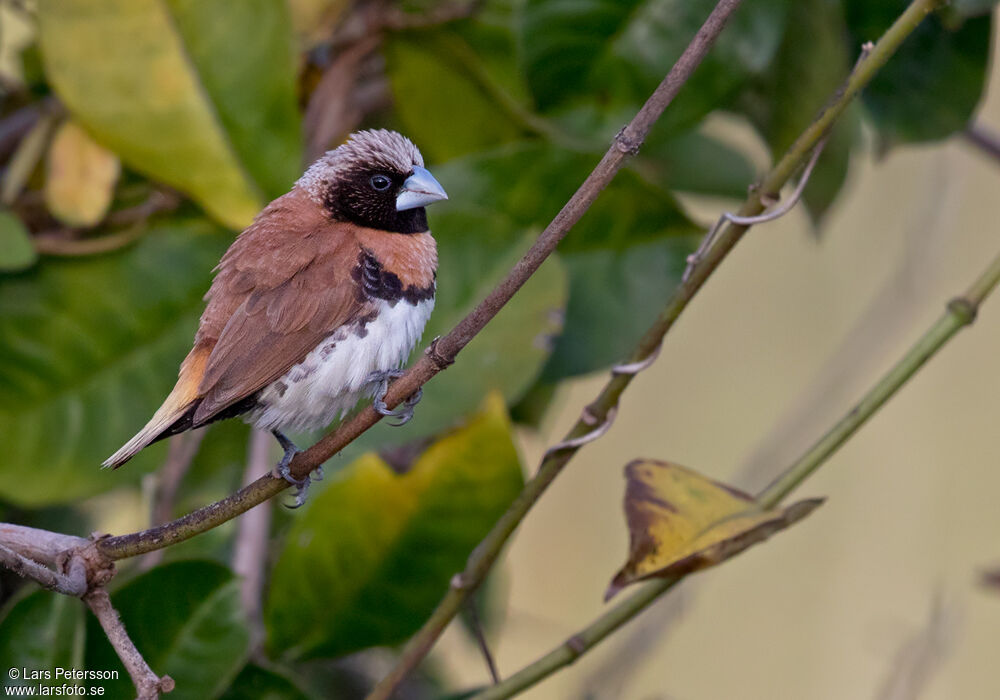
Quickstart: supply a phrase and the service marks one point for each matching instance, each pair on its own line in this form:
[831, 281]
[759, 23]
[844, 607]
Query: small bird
[316, 304]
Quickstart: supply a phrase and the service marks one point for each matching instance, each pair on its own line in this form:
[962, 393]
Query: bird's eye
[380, 182]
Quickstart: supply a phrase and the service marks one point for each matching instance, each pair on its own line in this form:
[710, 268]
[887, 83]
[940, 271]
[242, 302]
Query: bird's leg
[378, 402]
[301, 485]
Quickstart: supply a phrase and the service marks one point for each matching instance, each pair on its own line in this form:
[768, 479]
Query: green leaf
[971, 8]
[16, 250]
[529, 182]
[256, 683]
[436, 75]
[374, 551]
[614, 297]
[41, 631]
[88, 350]
[831, 170]
[931, 87]
[185, 619]
[812, 62]
[199, 94]
[697, 163]
[624, 48]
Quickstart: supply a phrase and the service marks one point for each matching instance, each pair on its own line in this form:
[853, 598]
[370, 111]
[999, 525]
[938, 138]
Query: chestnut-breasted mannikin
[317, 303]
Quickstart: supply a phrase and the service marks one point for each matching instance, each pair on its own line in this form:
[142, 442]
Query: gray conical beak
[419, 190]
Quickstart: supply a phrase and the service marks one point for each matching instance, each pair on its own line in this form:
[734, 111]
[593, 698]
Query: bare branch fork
[74, 566]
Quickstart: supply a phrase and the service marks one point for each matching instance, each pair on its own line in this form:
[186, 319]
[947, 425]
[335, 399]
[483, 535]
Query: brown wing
[283, 286]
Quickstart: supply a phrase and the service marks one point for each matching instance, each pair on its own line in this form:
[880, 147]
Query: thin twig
[74, 583]
[986, 139]
[147, 684]
[768, 216]
[82, 573]
[69, 243]
[43, 546]
[250, 549]
[15, 125]
[443, 350]
[480, 637]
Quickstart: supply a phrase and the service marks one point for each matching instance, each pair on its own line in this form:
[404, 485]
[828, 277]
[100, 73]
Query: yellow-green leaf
[199, 94]
[367, 562]
[680, 521]
[80, 177]
[16, 250]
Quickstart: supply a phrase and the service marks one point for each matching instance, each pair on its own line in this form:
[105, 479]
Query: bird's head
[375, 179]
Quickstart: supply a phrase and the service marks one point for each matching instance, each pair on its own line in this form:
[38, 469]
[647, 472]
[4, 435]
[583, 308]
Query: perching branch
[148, 685]
[443, 350]
[597, 416]
[42, 546]
[73, 583]
[81, 571]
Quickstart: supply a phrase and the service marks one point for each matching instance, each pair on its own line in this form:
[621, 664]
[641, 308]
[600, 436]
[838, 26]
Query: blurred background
[137, 138]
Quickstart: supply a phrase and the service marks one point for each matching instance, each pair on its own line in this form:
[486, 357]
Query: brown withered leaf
[80, 177]
[680, 521]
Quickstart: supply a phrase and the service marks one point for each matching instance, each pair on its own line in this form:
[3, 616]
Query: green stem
[960, 313]
[579, 644]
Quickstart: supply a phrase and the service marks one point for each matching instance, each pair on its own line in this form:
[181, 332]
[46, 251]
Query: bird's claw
[405, 414]
[301, 491]
[284, 471]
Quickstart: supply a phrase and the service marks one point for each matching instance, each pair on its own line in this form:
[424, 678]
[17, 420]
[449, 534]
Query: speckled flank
[332, 378]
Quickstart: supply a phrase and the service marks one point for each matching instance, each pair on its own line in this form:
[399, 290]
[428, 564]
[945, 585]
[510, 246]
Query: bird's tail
[168, 414]
[184, 394]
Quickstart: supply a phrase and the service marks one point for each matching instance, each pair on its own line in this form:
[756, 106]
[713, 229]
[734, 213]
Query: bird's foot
[283, 470]
[404, 414]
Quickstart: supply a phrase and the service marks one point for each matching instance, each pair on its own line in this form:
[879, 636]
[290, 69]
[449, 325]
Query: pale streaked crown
[371, 149]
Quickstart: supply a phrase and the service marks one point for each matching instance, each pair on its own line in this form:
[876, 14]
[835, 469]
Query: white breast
[332, 378]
